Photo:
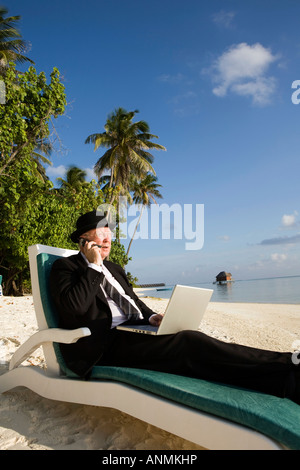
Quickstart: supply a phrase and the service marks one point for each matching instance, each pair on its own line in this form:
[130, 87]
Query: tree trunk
[138, 223]
[10, 284]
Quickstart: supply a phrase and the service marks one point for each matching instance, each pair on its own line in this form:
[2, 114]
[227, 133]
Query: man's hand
[155, 320]
[92, 253]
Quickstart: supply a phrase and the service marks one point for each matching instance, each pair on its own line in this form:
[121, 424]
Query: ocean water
[280, 290]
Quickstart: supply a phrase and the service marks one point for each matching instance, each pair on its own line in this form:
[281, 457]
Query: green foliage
[24, 118]
[75, 178]
[35, 212]
[133, 280]
[32, 210]
[117, 254]
[28, 207]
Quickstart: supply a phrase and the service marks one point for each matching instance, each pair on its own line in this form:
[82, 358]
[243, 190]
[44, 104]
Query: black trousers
[194, 354]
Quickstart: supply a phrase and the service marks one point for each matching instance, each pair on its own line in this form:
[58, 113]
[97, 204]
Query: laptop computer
[184, 311]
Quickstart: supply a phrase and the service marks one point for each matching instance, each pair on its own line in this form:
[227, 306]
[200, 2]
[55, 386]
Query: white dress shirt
[118, 316]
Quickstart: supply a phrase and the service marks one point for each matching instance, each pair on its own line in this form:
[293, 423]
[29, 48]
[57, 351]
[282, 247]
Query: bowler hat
[89, 221]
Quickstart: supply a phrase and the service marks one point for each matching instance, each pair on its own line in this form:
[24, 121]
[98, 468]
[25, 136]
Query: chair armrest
[53, 335]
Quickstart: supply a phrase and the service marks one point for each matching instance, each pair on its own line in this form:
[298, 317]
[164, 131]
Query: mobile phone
[83, 241]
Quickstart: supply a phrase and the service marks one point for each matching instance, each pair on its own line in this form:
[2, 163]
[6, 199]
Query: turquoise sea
[281, 290]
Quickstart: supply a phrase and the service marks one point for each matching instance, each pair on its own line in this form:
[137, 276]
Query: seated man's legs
[194, 354]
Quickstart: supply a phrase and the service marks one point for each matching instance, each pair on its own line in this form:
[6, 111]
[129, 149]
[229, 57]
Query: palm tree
[75, 178]
[11, 44]
[145, 192]
[128, 144]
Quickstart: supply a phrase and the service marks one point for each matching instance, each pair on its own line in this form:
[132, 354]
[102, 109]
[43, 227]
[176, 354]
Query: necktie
[130, 311]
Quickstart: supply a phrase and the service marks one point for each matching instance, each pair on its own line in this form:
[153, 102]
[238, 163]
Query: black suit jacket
[80, 302]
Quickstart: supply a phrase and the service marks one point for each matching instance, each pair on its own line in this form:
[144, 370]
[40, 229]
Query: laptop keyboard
[148, 327]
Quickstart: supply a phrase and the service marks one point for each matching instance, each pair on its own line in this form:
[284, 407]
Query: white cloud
[278, 257]
[90, 174]
[289, 220]
[224, 18]
[56, 171]
[260, 90]
[242, 70]
[60, 171]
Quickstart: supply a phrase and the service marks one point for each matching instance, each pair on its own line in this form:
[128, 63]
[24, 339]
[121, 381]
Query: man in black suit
[83, 288]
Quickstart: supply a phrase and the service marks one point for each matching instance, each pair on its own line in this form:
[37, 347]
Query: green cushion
[275, 417]
[44, 265]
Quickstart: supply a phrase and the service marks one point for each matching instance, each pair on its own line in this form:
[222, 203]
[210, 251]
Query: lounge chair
[212, 415]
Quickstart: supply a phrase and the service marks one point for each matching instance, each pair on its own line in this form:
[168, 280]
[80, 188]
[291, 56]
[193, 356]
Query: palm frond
[12, 45]
[128, 144]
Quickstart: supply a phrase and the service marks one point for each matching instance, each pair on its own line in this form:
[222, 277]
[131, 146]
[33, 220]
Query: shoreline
[232, 302]
[261, 325]
[30, 422]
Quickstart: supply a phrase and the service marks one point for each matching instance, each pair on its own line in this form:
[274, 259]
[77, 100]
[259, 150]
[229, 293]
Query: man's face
[101, 236]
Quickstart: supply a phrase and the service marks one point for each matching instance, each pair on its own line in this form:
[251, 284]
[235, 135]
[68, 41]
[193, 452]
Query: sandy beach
[30, 422]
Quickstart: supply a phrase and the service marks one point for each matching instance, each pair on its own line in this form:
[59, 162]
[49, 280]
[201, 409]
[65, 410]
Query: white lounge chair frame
[208, 431]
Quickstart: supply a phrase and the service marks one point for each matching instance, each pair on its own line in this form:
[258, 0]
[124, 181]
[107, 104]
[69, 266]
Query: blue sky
[214, 81]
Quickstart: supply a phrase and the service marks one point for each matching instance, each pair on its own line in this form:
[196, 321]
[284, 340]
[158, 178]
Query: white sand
[30, 422]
